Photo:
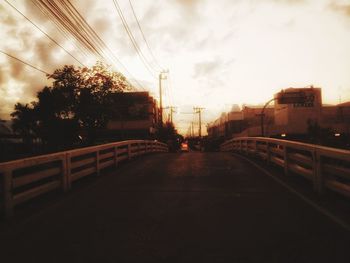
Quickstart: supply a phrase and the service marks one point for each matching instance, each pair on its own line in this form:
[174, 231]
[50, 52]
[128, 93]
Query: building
[292, 119]
[238, 122]
[337, 117]
[134, 116]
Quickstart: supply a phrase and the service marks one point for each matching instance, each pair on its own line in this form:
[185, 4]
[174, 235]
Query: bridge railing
[325, 167]
[24, 179]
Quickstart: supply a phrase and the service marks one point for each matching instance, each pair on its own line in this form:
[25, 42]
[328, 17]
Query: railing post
[129, 151]
[66, 171]
[286, 160]
[8, 197]
[317, 171]
[256, 148]
[116, 156]
[98, 162]
[268, 153]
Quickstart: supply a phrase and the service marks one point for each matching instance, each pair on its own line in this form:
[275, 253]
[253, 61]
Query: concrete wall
[284, 118]
[296, 116]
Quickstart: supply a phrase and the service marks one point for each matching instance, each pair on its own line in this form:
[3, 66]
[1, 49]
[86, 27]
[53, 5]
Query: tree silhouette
[73, 108]
[24, 121]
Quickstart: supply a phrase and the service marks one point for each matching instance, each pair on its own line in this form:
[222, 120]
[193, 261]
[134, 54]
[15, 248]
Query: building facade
[292, 119]
[134, 116]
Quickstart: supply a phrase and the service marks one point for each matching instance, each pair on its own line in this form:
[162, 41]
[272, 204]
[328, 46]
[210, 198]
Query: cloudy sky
[218, 52]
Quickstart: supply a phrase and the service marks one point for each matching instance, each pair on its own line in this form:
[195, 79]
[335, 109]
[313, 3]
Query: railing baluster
[286, 160]
[317, 169]
[63, 170]
[326, 167]
[8, 197]
[116, 156]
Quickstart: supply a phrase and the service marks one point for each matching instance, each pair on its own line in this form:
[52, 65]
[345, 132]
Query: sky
[218, 53]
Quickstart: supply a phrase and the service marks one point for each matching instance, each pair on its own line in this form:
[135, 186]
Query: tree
[24, 121]
[77, 102]
[316, 133]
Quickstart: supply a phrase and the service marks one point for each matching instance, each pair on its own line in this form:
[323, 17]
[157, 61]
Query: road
[188, 207]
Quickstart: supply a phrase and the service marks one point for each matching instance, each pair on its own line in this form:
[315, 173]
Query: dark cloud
[210, 68]
[16, 69]
[206, 68]
[3, 75]
[43, 51]
[188, 4]
[7, 20]
[31, 46]
[340, 8]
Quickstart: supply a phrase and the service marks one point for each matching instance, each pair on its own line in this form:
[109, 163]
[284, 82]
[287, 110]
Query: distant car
[184, 147]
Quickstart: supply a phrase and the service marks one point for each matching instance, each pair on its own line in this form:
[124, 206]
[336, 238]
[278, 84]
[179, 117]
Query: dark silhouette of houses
[135, 115]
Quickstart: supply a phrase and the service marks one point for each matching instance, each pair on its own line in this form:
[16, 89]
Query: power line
[73, 27]
[26, 63]
[64, 13]
[169, 89]
[133, 41]
[60, 28]
[102, 42]
[143, 36]
[44, 32]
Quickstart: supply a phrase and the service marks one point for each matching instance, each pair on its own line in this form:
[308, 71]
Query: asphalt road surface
[186, 207]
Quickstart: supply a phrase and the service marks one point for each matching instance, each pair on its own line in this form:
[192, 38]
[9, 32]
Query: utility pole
[161, 77]
[199, 111]
[172, 111]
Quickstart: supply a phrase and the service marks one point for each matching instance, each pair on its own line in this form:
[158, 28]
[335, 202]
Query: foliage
[76, 104]
[317, 134]
[24, 121]
[168, 134]
[167, 131]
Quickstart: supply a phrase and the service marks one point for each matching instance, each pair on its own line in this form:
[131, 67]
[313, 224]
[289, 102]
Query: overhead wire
[59, 17]
[64, 13]
[60, 29]
[101, 41]
[49, 37]
[144, 38]
[133, 41]
[24, 62]
[170, 89]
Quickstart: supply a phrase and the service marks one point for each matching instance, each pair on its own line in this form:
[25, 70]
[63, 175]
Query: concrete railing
[24, 179]
[325, 167]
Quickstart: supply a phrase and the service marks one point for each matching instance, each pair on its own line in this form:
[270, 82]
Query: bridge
[259, 200]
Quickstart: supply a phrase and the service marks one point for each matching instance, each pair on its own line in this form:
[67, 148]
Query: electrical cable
[53, 40]
[133, 41]
[143, 36]
[74, 24]
[26, 63]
